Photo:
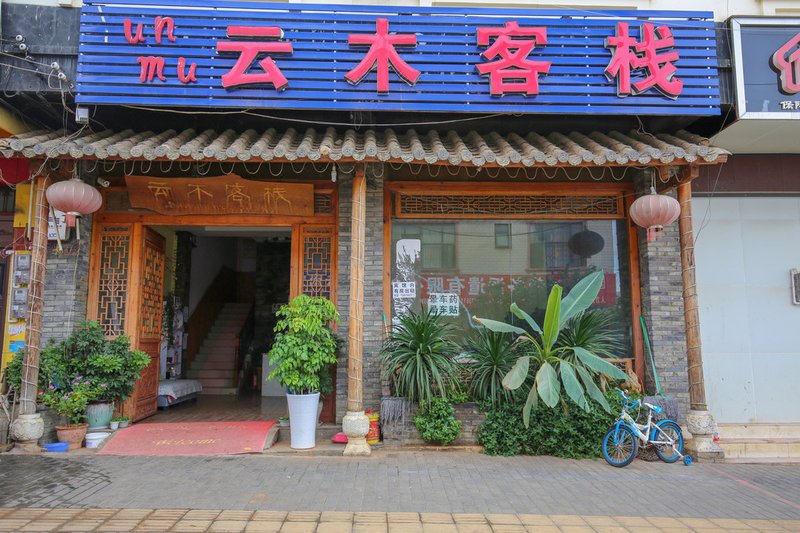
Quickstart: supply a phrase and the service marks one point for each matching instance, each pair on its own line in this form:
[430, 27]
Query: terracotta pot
[73, 434]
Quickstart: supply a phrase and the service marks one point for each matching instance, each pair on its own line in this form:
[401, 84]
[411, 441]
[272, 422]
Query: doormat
[189, 438]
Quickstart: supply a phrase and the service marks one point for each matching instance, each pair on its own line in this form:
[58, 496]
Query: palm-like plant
[418, 357]
[555, 365]
[594, 330]
[489, 357]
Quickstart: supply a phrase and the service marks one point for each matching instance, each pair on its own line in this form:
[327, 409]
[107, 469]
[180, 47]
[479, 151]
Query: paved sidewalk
[429, 481]
[183, 520]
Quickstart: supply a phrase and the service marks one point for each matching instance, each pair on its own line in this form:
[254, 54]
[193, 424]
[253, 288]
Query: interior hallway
[251, 407]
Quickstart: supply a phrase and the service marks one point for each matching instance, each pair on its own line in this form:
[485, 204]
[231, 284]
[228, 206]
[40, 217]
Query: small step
[206, 373]
[216, 382]
[212, 365]
[752, 450]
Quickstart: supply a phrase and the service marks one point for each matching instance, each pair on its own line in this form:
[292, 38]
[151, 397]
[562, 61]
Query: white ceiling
[760, 136]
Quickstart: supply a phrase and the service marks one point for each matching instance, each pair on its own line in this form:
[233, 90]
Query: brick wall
[406, 434]
[662, 307]
[66, 287]
[373, 288]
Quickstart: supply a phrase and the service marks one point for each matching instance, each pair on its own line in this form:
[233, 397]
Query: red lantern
[654, 211]
[75, 198]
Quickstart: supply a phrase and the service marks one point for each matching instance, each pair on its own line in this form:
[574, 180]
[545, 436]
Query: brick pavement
[185, 520]
[406, 481]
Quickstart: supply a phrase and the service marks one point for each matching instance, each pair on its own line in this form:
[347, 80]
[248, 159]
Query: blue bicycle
[621, 441]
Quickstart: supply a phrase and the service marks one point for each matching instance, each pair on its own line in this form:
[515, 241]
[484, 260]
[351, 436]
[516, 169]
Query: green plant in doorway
[304, 344]
[437, 423]
[555, 366]
[418, 357]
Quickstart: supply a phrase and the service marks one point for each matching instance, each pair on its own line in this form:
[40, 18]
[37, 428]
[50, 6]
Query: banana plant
[573, 367]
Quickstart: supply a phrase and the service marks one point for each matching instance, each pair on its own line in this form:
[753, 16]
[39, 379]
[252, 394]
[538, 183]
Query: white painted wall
[208, 258]
[749, 327]
[722, 8]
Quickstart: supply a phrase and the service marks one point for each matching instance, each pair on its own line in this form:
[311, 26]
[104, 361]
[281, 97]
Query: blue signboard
[215, 53]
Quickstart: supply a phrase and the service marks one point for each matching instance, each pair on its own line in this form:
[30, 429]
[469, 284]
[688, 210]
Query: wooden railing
[221, 291]
[243, 340]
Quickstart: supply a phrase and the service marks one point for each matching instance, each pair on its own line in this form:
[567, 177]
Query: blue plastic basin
[56, 446]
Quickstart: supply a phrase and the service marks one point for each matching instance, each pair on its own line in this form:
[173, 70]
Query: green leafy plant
[573, 367]
[70, 401]
[119, 418]
[437, 423]
[304, 344]
[418, 357]
[567, 431]
[594, 330]
[111, 366]
[488, 358]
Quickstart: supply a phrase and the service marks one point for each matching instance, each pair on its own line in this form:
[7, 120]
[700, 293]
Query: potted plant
[304, 345]
[124, 421]
[111, 367]
[114, 423]
[70, 400]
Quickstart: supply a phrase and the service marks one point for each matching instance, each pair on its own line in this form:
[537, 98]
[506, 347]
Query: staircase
[760, 443]
[214, 366]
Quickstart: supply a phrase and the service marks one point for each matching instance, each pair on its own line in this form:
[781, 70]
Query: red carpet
[189, 438]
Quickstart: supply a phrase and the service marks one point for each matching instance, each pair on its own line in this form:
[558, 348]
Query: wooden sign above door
[220, 195]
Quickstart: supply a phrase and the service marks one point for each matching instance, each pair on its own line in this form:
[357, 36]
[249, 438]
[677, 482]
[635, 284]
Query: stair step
[216, 382]
[204, 373]
[212, 365]
[220, 391]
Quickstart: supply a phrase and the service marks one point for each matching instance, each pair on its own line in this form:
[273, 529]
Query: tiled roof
[369, 145]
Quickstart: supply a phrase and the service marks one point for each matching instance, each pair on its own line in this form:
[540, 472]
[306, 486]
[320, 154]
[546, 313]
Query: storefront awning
[473, 149]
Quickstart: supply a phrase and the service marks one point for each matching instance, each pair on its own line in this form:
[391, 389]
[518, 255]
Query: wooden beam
[694, 355]
[355, 385]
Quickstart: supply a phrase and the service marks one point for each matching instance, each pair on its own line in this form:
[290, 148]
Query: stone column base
[355, 425]
[702, 446]
[26, 430]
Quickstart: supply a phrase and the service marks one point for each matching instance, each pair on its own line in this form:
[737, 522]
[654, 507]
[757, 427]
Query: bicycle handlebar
[626, 401]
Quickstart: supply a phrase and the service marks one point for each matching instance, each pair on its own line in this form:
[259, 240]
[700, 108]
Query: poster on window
[404, 289]
[443, 303]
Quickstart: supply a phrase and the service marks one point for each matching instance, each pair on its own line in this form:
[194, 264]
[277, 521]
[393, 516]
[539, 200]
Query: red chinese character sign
[382, 54]
[508, 67]
[266, 42]
[431, 59]
[653, 57]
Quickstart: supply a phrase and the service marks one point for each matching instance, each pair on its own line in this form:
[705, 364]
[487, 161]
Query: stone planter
[99, 415]
[72, 434]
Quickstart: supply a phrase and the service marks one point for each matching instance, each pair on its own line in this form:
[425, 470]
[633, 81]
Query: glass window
[458, 268]
[502, 235]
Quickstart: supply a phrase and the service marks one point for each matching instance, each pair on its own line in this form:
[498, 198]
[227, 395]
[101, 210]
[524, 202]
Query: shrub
[566, 431]
[490, 357]
[437, 423]
[418, 357]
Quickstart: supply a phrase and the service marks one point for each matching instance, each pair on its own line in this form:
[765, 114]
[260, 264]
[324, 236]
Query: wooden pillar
[699, 420]
[30, 368]
[355, 423]
[694, 353]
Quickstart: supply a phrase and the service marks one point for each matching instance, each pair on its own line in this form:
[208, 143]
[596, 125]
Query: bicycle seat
[654, 408]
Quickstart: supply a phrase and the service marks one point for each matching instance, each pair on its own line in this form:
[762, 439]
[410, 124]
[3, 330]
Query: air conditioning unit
[795, 286]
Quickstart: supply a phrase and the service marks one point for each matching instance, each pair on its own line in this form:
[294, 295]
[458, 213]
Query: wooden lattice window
[152, 286]
[318, 260]
[115, 245]
[415, 205]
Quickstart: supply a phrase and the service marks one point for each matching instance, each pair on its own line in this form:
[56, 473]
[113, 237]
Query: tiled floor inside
[223, 409]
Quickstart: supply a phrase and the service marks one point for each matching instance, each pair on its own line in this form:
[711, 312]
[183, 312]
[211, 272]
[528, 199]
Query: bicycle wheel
[668, 430]
[619, 446]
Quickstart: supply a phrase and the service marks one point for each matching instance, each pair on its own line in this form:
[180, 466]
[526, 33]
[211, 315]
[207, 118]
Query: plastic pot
[303, 414]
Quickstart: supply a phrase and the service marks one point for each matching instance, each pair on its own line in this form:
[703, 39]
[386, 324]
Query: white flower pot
[303, 414]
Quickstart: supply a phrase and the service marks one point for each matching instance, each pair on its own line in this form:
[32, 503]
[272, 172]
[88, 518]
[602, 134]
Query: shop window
[549, 245]
[437, 244]
[475, 267]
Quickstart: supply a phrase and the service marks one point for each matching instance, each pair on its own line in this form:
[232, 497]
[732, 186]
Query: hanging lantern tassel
[75, 198]
[654, 211]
